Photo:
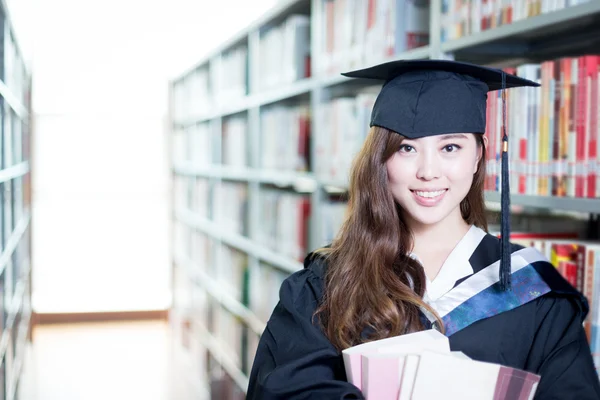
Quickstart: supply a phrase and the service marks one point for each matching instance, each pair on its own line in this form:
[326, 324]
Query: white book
[412, 343]
[457, 378]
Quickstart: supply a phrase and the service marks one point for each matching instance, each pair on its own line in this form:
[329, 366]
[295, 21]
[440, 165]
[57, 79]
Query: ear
[480, 152]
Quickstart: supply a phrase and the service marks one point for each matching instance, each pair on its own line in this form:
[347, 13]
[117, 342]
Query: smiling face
[430, 176]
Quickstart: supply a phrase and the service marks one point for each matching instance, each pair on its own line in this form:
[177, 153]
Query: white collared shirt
[455, 267]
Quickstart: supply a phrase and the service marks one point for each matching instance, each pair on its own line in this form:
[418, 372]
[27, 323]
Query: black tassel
[505, 264]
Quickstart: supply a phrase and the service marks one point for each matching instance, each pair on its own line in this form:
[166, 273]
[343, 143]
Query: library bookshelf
[263, 131]
[15, 204]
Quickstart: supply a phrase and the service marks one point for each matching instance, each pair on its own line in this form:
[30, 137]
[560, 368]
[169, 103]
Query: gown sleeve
[294, 359]
[561, 353]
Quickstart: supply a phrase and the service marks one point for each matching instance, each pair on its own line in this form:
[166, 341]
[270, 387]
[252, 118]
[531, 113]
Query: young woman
[414, 253]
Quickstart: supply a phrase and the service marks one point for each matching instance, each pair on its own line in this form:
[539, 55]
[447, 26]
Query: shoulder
[561, 290]
[303, 289]
[561, 294]
[531, 272]
[316, 263]
[561, 305]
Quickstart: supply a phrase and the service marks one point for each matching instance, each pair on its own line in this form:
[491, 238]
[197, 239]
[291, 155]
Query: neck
[445, 234]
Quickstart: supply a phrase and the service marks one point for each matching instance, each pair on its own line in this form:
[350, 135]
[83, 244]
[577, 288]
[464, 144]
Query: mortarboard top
[432, 97]
[435, 97]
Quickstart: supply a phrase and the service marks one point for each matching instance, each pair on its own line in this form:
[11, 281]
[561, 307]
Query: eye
[451, 148]
[405, 148]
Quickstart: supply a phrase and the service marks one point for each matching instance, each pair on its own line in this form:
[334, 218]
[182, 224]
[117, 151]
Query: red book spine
[582, 114]
[592, 63]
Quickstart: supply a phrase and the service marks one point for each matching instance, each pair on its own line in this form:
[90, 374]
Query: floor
[99, 361]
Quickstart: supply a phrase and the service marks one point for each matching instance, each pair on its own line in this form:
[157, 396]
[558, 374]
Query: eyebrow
[454, 136]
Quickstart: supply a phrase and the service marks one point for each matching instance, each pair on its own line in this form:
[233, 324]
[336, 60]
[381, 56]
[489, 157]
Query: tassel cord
[505, 264]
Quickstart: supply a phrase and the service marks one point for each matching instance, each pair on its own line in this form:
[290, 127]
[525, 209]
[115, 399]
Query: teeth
[429, 194]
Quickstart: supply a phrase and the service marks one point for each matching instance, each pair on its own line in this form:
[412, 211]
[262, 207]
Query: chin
[427, 215]
[427, 218]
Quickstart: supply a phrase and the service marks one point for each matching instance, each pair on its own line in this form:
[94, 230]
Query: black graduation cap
[433, 97]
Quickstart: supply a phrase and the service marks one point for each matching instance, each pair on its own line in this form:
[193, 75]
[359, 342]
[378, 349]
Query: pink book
[381, 376]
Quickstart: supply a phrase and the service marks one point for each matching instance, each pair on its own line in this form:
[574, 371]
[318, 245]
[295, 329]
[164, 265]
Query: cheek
[461, 170]
[398, 172]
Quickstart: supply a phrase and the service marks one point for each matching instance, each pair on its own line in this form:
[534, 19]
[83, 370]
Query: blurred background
[165, 165]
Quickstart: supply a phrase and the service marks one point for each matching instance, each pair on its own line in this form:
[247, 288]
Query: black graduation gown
[295, 360]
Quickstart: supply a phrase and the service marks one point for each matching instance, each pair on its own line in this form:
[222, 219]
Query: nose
[429, 166]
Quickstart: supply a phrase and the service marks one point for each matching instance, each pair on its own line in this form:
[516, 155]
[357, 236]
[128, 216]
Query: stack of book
[422, 366]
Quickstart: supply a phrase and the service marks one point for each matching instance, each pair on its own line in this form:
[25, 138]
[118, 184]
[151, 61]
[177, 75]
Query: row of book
[226, 272]
[192, 96]
[197, 146]
[344, 123]
[14, 321]
[12, 151]
[207, 308]
[264, 284]
[463, 18]
[19, 264]
[234, 142]
[231, 265]
[13, 360]
[13, 208]
[285, 135]
[284, 57]
[223, 264]
[332, 215]
[553, 130]
[283, 226]
[360, 31]
[213, 202]
[284, 215]
[200, 312]
[182, 235]
[17, 137]
[185, 194]
[193, 145]
[284, 220]
[200, 148]
[224, 203]
[227, 331]
[230, 82]
[284, 53]
[230, 207]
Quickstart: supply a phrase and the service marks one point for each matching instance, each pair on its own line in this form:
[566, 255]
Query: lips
[429, 198]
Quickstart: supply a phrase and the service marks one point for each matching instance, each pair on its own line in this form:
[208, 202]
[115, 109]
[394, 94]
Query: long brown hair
[372, 286]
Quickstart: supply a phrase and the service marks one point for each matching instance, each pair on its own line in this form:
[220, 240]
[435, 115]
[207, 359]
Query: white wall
[100, 217]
